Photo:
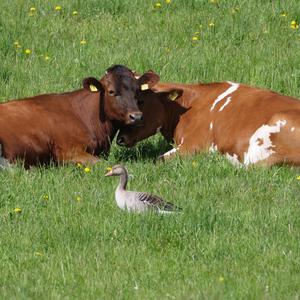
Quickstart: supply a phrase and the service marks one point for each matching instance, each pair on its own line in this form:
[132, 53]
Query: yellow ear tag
[93, 88]
[173, 96]
[144, 87]
[108, 169]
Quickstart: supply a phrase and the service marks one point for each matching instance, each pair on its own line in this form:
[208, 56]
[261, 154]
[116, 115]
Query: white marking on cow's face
[233, 159]
[228, 100]
[233, 87]
[260, 144]
[213, 148]
[174, 150]
[211, 126]
[292, 129]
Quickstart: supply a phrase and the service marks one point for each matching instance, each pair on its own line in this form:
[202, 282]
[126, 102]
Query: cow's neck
[102, 130]
[172, 111]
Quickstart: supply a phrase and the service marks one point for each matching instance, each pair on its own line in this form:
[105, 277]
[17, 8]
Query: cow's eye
[111, 92]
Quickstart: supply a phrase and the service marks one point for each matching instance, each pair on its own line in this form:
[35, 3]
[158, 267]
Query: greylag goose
[137, 201]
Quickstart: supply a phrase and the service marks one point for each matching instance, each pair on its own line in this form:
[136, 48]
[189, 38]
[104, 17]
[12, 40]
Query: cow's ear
[92, 84]
[148, 80]
[174, 94]
[171, 95]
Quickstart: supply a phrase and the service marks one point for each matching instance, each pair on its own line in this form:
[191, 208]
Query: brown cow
[247, 124]
[74, 126]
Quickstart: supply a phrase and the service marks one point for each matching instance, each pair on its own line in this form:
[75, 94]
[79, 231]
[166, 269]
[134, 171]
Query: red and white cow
[249, 125]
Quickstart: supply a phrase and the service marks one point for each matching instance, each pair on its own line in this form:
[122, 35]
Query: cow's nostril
[136, 116]
[132, 117]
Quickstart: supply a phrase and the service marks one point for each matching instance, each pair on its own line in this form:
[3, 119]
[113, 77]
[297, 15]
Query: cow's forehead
[119, 70]
[121, 77]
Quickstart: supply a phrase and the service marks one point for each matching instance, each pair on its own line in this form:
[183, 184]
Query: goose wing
[157, 203]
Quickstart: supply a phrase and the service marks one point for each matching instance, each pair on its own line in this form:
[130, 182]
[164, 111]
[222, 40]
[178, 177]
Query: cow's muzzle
[135, 118]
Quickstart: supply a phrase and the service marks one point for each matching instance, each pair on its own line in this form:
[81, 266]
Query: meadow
[61, 233]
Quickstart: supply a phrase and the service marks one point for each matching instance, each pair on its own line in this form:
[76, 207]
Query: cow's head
[118, 91]
[157, 108]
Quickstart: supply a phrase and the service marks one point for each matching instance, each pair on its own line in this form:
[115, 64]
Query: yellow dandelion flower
[213, 1]
[157, 5]
[298, 178]
[108, 168]
[57, 8]
[46, 197]
[87, 170]
[194, 164]
[294, 25]
[17, 45]
[211, 24]
[17, 210]
[78, 198]
[195, 38]
[221, 278]
[37, 253]
[235, 9]
[168, 1]
[27, 51]
[75, 13]
[32, 9]
[46, 57]
[83, 42]
[283, 14]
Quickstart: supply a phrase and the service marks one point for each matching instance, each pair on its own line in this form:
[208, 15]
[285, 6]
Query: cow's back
[35, 128]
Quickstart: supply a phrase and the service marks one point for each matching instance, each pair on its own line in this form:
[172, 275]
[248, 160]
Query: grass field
[239, 234]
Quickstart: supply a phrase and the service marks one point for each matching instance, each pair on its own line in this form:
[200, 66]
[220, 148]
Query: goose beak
[110, 172]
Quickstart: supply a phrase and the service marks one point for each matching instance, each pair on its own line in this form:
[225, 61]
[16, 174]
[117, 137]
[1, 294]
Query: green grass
[239, 234]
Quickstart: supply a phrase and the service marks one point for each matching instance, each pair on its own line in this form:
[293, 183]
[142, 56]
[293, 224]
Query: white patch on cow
[233, 159]
[292, 129]
[158, 129]
[174, 150]
[170, 152]
[213, 148]
[233, 87]
[211, 126]
[228, 100]
[260, 144]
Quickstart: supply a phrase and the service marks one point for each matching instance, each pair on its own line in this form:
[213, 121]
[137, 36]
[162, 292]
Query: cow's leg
[277, 142]
[180, 150]
[76, 156]
[84, 159]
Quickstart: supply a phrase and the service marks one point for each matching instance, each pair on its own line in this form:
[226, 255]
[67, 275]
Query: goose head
[116, 170]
